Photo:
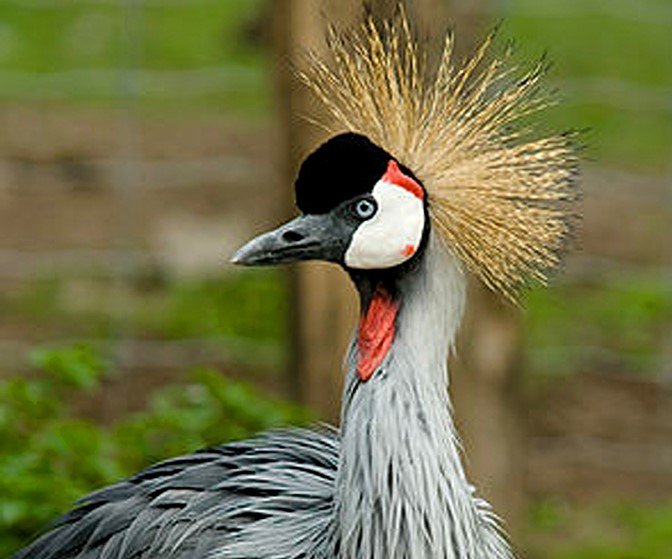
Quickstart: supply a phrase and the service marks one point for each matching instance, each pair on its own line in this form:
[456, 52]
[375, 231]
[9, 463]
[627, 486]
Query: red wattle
[376, 333]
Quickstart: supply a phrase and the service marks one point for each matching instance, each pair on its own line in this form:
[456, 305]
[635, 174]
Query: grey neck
[401, 491]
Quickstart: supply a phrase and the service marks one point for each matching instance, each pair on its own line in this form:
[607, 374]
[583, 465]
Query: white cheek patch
[393, 234]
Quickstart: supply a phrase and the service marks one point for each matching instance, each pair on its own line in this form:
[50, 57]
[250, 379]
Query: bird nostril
[292, 237]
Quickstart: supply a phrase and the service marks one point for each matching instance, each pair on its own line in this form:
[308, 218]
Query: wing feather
[202, 504]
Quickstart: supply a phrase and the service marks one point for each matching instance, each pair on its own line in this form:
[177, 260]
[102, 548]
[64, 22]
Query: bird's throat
[376, 333]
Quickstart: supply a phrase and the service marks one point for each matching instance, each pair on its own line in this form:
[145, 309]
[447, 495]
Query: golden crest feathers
[497, 193]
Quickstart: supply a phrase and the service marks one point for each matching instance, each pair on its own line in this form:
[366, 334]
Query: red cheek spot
[408, 250]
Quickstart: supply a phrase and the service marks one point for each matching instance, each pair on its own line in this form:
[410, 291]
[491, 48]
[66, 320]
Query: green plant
[624, 530]
[248, 304]
[50, 457]
[209, 410]
[617, 325]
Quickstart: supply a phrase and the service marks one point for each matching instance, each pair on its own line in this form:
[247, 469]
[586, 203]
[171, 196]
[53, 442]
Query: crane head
[498, 189]
[360, 208]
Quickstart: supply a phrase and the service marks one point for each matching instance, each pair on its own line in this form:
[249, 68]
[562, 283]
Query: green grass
[588, 42]
[623, 530]
[92, 37]
[250, 305]
[566, 328]
[630, 318]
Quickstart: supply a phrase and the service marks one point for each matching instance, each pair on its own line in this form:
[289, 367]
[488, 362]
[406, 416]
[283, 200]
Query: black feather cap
[345, 166]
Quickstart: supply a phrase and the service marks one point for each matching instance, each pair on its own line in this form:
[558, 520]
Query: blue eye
[364, 208]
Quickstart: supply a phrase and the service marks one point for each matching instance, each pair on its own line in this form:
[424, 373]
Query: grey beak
[308, 237]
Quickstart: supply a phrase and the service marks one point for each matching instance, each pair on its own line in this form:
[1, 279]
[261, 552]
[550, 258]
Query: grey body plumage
[201, 505]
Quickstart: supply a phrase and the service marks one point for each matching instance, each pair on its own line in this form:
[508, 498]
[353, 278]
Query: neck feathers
[404, 492]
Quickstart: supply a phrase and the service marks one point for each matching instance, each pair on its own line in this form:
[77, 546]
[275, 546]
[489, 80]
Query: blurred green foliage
[248, 304]
[617, 530]
[50, 457]
[91, 34]
[611, 61]
[628, 319]
[39, 39]
[612, 67]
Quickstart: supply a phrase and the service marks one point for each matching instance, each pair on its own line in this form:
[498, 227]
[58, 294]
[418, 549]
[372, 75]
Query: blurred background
[142, 141]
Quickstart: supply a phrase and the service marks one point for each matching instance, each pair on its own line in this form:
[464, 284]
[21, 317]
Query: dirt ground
[595, 436]
[86, 189]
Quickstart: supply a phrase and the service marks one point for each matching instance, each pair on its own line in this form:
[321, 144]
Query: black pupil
[365, 208]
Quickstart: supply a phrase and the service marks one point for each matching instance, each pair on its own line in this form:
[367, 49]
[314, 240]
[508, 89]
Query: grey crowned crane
[428, 172]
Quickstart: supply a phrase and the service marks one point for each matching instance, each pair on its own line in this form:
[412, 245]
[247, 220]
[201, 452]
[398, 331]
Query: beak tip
[248, 255]
[238, 259]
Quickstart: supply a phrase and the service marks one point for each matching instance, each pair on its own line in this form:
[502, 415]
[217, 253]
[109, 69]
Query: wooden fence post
[485, 392]
[324, 305]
